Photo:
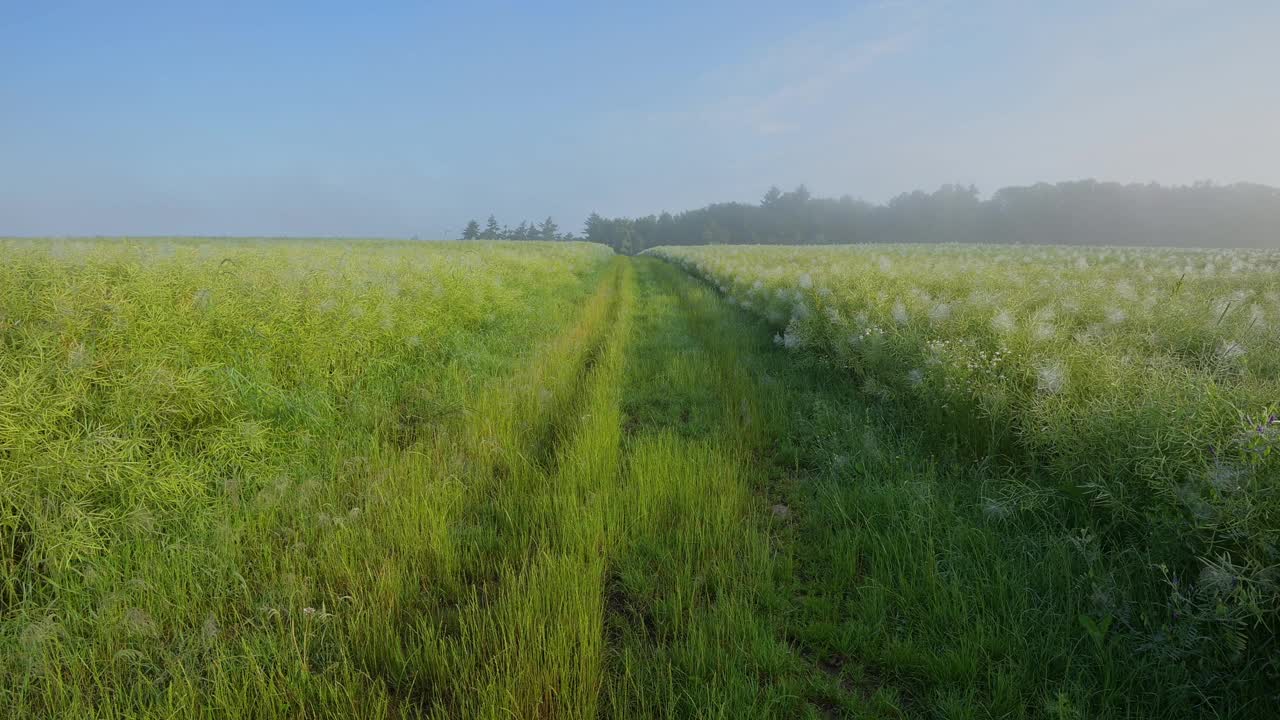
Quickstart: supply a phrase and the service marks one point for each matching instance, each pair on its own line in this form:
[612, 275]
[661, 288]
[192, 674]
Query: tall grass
[1130, 395]
[320, 479]
[231, 470]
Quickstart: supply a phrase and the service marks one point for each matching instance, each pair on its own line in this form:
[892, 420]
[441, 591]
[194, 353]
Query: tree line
[545, 230]
[1085, 212]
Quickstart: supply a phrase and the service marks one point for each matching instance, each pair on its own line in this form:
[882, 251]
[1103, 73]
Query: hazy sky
[403, 118]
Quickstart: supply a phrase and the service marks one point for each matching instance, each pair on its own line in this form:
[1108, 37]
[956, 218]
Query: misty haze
[894, 359]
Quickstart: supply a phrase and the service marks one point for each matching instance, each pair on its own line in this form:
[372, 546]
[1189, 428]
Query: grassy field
[370, 479]
[1121, 411]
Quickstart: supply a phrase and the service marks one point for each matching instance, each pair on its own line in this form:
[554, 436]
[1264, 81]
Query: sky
[400, 119]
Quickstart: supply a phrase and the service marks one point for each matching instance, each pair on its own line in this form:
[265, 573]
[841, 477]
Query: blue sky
[408, 118]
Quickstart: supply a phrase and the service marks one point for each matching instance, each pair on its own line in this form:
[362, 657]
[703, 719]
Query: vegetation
[1085, 212]
[547, 231]
[232, 470]
[1120, 399]
[319, 479]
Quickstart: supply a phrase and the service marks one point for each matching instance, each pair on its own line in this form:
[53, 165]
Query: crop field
[290, 478]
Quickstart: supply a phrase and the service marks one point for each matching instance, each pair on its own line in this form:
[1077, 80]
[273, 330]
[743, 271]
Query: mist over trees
[545, 230]
[1085, 212]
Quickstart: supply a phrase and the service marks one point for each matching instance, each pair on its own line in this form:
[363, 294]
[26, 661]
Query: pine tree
[471, 231]
[491, 231]
[549, 230]
[594, 229]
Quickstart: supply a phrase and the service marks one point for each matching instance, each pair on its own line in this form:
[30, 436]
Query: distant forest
[1085, 212]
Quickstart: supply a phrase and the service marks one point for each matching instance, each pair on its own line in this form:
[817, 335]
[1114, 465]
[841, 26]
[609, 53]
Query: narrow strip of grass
[530, 644]
[692, 578]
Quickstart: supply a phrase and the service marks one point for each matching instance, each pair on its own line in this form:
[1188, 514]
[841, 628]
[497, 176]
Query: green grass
[1140, 485]
[306, 479]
